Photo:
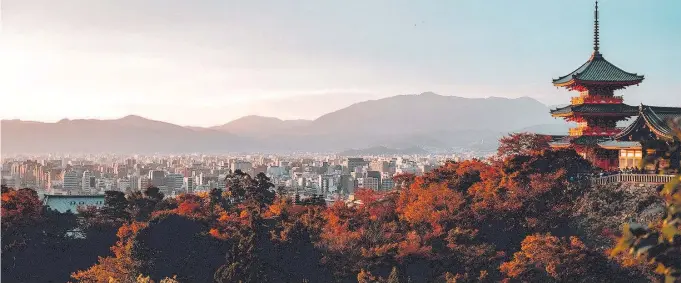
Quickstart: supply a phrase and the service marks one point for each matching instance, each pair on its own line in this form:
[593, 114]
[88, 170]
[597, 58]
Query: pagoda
[597, 109]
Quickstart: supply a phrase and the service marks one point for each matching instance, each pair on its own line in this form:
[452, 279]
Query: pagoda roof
[568, 141]
[597, 70]
[656, 119]
[586, 109]
[614, 144]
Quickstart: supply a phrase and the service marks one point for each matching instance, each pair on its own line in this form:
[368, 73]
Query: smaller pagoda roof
[623, 109]
[656, 119]
[568, 141]
[613, 144]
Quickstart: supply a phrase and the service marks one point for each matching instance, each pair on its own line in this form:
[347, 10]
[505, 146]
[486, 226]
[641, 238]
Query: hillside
[427, 120]
[131, 134]
[259, 126]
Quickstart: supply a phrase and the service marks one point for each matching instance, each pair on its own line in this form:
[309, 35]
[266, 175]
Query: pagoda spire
[596, 29]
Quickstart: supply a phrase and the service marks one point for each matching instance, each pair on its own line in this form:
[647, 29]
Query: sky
[206, 62]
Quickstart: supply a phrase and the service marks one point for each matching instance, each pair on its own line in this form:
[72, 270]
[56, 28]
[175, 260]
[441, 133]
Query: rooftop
[623, 110]
[64, 203]
[654, 118]
[597, 70]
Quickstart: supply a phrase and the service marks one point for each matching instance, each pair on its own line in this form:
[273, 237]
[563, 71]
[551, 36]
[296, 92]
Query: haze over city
[204, 63]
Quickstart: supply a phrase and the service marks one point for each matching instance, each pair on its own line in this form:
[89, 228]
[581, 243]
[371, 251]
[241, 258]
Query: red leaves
[188, 208]
[560, 259]
[435, 205]
[20, 207]
[522, 143]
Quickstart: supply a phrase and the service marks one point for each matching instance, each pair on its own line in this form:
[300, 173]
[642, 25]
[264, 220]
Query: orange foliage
[413, 246]
[560, 259]
[435, 204]
[119, 268]
[20, 207]
[522, 143]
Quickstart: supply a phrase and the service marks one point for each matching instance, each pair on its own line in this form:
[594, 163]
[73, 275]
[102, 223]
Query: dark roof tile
[599, 70]
[624, 109]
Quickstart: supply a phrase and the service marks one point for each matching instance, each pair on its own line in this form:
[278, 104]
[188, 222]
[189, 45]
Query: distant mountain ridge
[260, 126]
[427, 120]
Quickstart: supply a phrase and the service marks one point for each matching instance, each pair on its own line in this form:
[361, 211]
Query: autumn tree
[140, 205]
[522, 144]
[121, 266]
[403, 180]
[34, 238]
[547, 258]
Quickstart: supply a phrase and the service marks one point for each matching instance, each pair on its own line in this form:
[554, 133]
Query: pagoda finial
[596, 39]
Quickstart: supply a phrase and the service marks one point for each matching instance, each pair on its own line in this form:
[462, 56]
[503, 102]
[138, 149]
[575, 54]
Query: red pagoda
[597, 109]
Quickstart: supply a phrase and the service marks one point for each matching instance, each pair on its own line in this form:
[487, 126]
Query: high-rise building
[387, 184]
[143, 182]
[124, 185]
[244, 166]
[347, 184]
[174, 181]
[188, 184]
[157, 178]
[86, 186]
[353, 163]
[134, 182]
[72, 181]
[379, 165]
[326, 184]
[368, 183]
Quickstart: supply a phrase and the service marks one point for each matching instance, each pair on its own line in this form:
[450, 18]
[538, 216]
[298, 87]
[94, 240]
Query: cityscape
[333, 177]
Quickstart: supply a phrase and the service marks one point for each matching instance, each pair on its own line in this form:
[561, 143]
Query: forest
[528, 214]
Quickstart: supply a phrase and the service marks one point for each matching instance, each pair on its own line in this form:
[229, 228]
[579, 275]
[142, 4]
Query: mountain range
[427, 120]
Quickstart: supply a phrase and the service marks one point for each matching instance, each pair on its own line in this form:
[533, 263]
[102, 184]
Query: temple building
[597, 110]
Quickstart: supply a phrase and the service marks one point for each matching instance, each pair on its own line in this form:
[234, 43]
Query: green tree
[115, 205]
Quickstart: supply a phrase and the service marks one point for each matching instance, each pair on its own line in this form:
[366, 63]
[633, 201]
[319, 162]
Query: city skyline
[211, 62]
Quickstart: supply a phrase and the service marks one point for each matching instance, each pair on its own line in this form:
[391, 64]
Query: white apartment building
[174, 181]
[72, 181]
[368, 183]
[188, 184]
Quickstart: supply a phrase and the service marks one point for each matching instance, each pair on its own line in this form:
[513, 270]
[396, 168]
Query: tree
[434, 205]
[115, 205]
[547, 258]
[261, 191]
[242, 263]
[122, 266]
[403, 180]
[522, 143]
[394, 276]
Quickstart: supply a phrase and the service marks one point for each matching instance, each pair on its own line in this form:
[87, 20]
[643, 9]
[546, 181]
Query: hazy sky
[205, 62]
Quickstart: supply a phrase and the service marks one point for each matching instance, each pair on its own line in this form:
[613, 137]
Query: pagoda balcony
[594, 131]
[597, 99]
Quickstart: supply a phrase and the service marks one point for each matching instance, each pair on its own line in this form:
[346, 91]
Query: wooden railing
[633, 178]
